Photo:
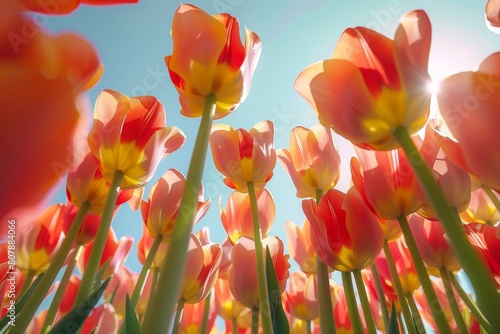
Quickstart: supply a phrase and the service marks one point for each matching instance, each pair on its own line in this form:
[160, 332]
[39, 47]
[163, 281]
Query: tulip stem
[452, 301]
[423, 276]
[493, 198]
[326, 318]
[308, 326]
[380, 295]
[267, 326]
[206, 314]
[158, 317]
[39, 293]
[398, 287]
[255, 320]
[234, 322]
[27, 282]
[141, 280]
[417, 319]
[365, 304]
[470, 304]
[480, 277]
[61, 289]
[352, 306]
[92, 267]
[178, 314]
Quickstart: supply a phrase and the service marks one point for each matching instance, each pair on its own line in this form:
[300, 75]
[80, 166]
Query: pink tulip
[300, 246]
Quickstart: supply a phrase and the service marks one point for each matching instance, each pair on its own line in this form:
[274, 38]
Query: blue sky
[132, 41]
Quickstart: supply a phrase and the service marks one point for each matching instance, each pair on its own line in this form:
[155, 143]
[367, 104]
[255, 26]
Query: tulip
[160, 210]
[348, 235]
[237, 218]
[209, 58]
[192, 318]
[313, 161]
[242, 275]
[453, 180]
[301, 296]
[433, 246]
[300, 246]
[37, 322]
[493, 13]
[388, 182]
[69, 295]
[373, 85]
[469, 106]
[89, 226]
[484, 239]
[225, 304]
[244, 156]
[67, 7]
[481, 208]
[102, 320]
[145, 245]
[116, 251]
[42, 78]
[121, 284]
[129, 135]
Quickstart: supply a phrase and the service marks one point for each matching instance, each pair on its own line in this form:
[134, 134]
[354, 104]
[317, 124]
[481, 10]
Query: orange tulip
[55, 7]
[116, 251]
[69, 296]
[122, 283]
[313, 161]
[453, 180]
[202, 267]
[237, 219]
[85, 183]
[388, 183]
[373, 298]
[243, 276]
[129, 135]
[37, 244]
[300, 246]
[404, 264]
[347, 234]
[209, 58]
[469, 106]
[144, 246]
[192, 317]
[102, 320]
[42, 78]
[481, 208]
[301, 296]
[373, 85]
[244, 156]
[225, 304]
[37, 322]
[487, 244]
[160, 210]
[433, 246]
[89, 226]
[493, 13]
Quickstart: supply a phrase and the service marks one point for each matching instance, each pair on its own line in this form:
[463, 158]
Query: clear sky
[132, 41]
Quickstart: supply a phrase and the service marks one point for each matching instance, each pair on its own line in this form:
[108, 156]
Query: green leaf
[72, 321]
[4, 322]
[278, 317]
[393, 327]
[131, 323]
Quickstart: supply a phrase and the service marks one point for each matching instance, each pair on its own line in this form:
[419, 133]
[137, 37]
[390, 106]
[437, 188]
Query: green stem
[38, 295]
[423, 276]
[92, 267]
[308, 326]
[417, 319]
[206, 314]
[178, 313]
[27, 282]
[480, 277]
[352, 306]
[255, 320]
[234, 321]
[398, 287]
[61, 289]
[380, 295]
[158, 317]
[470, 304]
[452, 301]
[365, 304]
[326, 319]
[267, 326]
[152, 291]
[141, 280]
[493, 198]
